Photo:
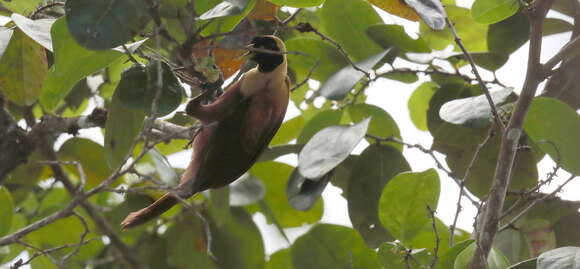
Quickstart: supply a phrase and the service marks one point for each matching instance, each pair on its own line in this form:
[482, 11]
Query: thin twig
[533, 203]
[81, 240]
[308, 76]
[129, 55]
[306, 27]
[484, 89]
[429, 152]
[463, 181]
[569, 51]
[437, 239]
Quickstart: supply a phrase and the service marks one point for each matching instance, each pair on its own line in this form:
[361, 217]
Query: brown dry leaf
[264, 10]
[396, 7]
[228, 60]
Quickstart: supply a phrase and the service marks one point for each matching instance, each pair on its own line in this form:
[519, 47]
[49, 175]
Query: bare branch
[463, 181]
[510, 139]
[437, 239]
[484, 89]
[306, 27]
[569, 51]
[533, 203]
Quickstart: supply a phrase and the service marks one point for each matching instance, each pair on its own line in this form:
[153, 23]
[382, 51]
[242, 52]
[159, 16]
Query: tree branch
[569, 51]
[122, 250]
[510, 138]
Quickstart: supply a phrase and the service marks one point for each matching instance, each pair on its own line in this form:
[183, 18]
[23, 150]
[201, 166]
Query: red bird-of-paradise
[237, 127]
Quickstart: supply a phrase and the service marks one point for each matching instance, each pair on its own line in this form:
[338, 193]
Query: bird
[236, 128]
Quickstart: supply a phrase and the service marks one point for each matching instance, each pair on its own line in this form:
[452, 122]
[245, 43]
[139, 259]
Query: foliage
[122, 66]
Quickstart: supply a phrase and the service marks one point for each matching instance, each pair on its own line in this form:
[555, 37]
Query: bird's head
[268, 61]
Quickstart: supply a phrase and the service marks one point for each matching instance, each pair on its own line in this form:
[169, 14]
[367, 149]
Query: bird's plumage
[236, 128]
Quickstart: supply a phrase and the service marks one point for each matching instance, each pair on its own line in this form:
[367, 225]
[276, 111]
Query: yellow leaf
[396, 7]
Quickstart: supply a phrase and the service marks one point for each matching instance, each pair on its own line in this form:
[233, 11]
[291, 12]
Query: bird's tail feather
[146, 214]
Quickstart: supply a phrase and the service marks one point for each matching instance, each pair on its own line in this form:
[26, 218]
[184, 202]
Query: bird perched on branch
[236, 128]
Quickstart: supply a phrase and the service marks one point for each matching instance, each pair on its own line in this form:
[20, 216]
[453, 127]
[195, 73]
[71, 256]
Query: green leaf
[153, 251]
[328, 58]
[5, 35]
[495, 260]
[431, 11]
[222, 24]
[329, 147]
[187, 242]
[280, 259]
[165, 172]
[288, 131]
[94, 164]
[488, 60]
[426, 237]
[381, 125]
[38, 30]
[389, 35]
[23, 67]
[392, 256]
[318, 122]
[332, 246]
[468, 30]
[556, 127]
[122, 127]
[404, 220]
[418, 104]
[298, 3]
[346, 21]
[138, 87]
[114, 25]
[459, 144]
[397, 257]
[22, 7]
[508, 35]
[538, 235]
[341, 82]
[565, 257]
[448, 258]
[237, 229]
[553, 26]
[527, 264]
[246, 190]
[42, 262]
[493, 11]
[6, 211]
[52, 235]
[303, 192]
[342, 174]
[473, 112]
[64, 73]
[112, 76]
[405, 77]
[225, 8]
[375, 167]
[565, 7]
[564, 229]
[272, 153]
[10, 252]
[275, 175]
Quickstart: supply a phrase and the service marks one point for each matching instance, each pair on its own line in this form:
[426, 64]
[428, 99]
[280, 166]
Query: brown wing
[238, 140]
